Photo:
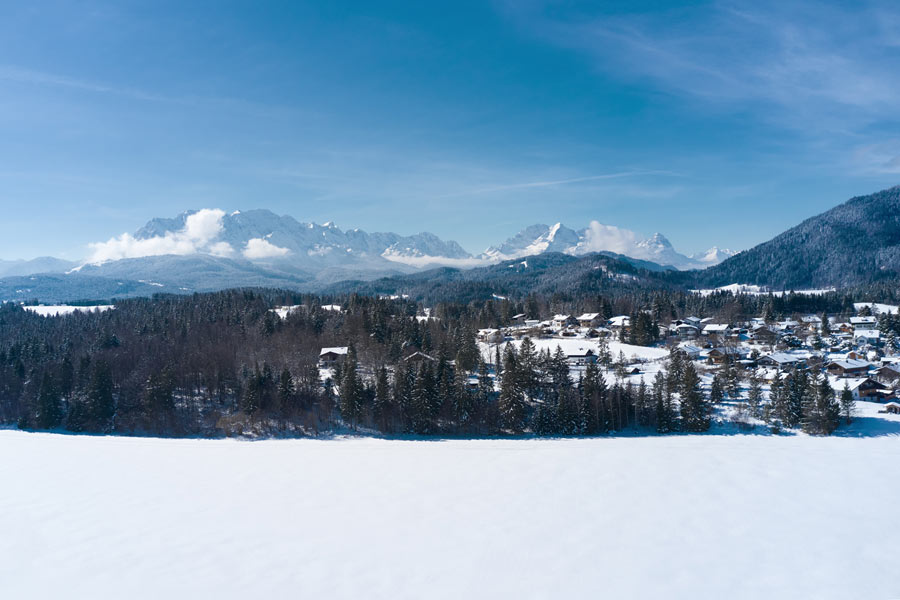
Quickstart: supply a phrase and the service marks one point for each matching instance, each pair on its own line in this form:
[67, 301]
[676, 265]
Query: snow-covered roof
[620, 321]
[335, 350]
[588, 316]
[863, 320]
[561, 317]
[689, 348]
[867, 333]
[850, 363]
[782, 358]
[838, 383]
[715, 328]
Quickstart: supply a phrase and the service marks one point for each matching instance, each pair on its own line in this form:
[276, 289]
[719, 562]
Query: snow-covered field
[655, 517]
[65, 309]
[755, 290]
[579, 345]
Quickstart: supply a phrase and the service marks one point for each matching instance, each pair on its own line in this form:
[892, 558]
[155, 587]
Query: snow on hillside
[876, 308]
[572, 346]
[757, 290]
[735, 516]
[64, 309]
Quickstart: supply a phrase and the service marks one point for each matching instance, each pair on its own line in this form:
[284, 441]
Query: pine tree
[754, 396]
[351, 390]
[100, 397]
[382, 407]
[716, 394]
[50, 410]
[662, 400]
[695, 410]
[848, 404]
[512, 400]
[286, 391]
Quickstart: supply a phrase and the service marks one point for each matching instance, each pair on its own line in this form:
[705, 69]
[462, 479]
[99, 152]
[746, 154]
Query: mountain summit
[597, 237]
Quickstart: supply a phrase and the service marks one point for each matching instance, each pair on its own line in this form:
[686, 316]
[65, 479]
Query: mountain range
[855, 243]
[208, 249]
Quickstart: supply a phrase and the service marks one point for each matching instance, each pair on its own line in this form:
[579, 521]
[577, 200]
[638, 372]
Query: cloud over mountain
[199, 232]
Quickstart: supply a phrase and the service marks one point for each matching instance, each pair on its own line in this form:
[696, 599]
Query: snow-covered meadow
[64, 309]
[706, 516]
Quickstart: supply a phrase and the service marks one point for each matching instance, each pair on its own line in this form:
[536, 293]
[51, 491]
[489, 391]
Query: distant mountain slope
[550, 272]
[854, 243]
[44, 264]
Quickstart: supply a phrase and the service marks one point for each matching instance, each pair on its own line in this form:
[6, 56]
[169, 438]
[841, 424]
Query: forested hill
[855, 243]
[551, 273]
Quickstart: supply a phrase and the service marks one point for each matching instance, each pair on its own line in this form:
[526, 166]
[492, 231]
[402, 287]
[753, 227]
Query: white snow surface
[713, 516]
[877, 309]
[64, 309]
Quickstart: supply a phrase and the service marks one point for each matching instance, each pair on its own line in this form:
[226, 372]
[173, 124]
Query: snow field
[679, 516]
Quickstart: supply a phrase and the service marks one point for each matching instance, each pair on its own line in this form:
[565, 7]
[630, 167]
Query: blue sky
[715, 123]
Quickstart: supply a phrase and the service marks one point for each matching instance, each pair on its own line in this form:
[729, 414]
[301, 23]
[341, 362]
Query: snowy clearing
[680, 516]
[755, 290]
[64, 309]
[579, 345]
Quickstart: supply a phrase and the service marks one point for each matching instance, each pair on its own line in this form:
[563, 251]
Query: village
[850, 354]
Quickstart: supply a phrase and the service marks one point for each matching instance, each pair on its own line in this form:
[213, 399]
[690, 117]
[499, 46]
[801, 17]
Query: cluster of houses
[850, 353]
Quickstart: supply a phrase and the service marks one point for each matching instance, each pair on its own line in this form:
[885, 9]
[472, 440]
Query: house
[490, 336]
[763, 334]
[689, 350]
[862, 388]
[564, 320]
[519, 318]
[717, 356]
[892, 407]
[580, 356]
[695, 321]
[848, 368]
[864, 322]
[715, 329]
[781, 360]
[328, 357]
[888, 374]
[589, 319]
[867, 336]
[418, 358]
[620, 322]
[686, 330]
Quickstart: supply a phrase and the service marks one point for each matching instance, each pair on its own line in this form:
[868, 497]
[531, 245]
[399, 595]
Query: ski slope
[737, 516]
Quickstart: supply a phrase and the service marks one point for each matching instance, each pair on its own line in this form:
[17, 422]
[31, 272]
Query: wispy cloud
[557, 182]
[30, 76]
[804, 64]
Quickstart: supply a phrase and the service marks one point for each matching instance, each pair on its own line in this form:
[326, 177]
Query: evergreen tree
[848, 404]
[716, 394]
[100, 397]
[754, 396]
[351, 390]
[382, 406]
[695, 410]
[512, 400]
[50, 410]
[286, 391]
